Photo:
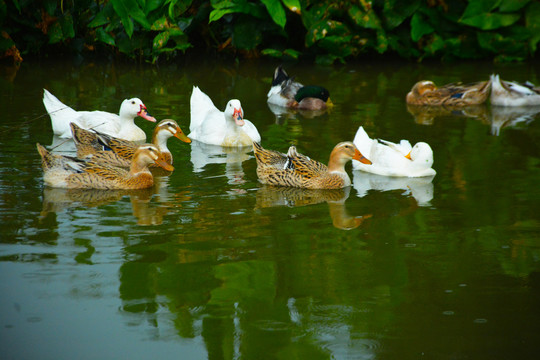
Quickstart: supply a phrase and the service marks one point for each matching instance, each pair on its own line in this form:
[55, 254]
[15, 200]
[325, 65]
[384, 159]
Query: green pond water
[210, 264]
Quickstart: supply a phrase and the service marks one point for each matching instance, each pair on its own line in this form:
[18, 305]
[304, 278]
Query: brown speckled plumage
[427, 93]
[113, 151]
[71, 173]
[297, 170]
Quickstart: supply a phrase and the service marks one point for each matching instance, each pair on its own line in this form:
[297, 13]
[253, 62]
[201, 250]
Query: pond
[211, 264]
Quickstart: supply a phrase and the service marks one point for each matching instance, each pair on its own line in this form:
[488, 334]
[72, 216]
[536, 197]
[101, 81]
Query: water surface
[211, 264]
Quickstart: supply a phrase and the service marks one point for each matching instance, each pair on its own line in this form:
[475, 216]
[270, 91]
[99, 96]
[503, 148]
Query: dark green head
[312, 91]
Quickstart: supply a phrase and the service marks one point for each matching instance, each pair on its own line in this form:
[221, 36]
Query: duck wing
[303, 165]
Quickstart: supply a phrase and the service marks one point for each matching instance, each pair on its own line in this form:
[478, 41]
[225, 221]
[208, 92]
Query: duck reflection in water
[425, 115]
[56, 200]
[512, 117]
[273, 196]
[497, 117]
[203, 154]
[283, 113]
[420, 188]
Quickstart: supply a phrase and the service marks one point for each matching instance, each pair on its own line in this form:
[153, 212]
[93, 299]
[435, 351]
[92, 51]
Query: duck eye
[133, 102]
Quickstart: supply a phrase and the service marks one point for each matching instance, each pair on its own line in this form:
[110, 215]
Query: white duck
[506, 93]
[390, 159]
[209, 125]
[121, 126]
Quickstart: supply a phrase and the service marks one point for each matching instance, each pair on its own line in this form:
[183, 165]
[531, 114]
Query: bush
[323, 31]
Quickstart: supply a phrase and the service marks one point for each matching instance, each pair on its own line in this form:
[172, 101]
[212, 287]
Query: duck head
[235, 112]
[168, 128]
[147, 154]
[421, 153]
[312, 91]
[343, 153]
[135, 107]
[420, 88]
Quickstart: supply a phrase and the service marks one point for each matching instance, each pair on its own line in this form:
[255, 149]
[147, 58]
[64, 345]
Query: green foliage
[323, 30]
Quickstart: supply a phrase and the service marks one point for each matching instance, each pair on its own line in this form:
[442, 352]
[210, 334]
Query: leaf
[365, 19]
[382, 42]
[419, 27]
[397, 11]
[152, 5]
[281, 54]
[501, 45]
[272, 52]
[160, 24]
[105, 37]
[532, 23]
[325, 28]
[227, 7]
[50, 6]
[512, 5]
[293, 5]
[326, 59]
[479, 7]
[66, 22]
[160, 40]
[17, 6]
[217, 14]
[99, 20]
[55, 33]
[276, 11]
[128, 9]
[292, 53]
[178, 7]
[435, 45]
[246, 35]
[491, 21]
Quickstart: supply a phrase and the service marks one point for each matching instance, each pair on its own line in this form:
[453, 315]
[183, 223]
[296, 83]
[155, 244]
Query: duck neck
[336, 163]
[137, 168]
[159, 138]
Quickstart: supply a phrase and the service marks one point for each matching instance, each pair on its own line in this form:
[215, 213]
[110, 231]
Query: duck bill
[358, 156]
[164, 164]
[145, 115]
[408, 156]
[180, 135]
[329, 103]
[238, 117]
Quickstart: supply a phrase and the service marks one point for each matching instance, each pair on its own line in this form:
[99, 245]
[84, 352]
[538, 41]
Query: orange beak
[408, 156]
[358, 156]
[180, 135]
[161, 162]
[145, 115]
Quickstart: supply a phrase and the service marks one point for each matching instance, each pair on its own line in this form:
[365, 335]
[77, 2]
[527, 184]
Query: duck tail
[280, 76]
[46, 158]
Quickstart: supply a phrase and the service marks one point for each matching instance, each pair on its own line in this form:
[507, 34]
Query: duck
[296, 170]
[121, 126]
[118, 152]
[507, 93]
[68, 172]
[286, 92]
[390, 159]
[427, 93]
[226, 128]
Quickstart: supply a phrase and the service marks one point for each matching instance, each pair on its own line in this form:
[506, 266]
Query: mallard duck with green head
[288, 93]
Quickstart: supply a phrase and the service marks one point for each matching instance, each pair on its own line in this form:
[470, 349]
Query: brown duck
[297, 170]
[73, 173]
[107, 149]
[427, 93]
